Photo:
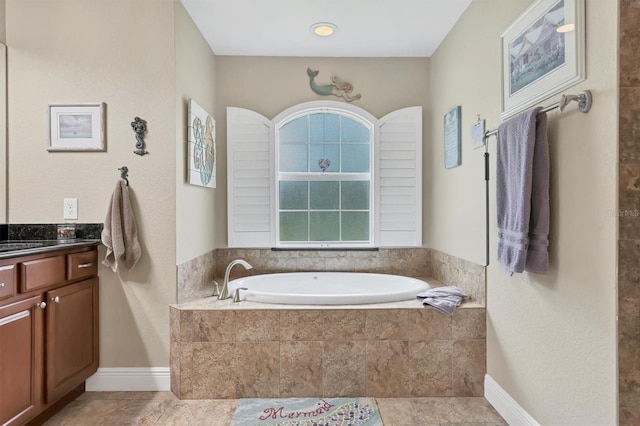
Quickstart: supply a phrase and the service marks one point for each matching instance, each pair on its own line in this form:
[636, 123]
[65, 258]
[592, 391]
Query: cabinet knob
[41, 305]
[1, 285]
[56, 299]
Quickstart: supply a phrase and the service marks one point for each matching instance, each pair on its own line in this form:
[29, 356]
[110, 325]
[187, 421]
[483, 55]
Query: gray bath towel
[120, 232]
[522, 181]
[443, 299]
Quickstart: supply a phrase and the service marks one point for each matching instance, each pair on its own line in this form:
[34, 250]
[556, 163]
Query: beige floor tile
[476, 410]
[436, 410]
[162, 408]
[397, 411]
[456, 411]
[111, 412]
[215, 412]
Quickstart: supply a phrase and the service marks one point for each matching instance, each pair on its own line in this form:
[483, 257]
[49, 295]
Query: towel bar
[584, 100]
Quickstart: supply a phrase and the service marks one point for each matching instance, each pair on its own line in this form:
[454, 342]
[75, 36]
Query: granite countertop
[14, 248]
[27, 239]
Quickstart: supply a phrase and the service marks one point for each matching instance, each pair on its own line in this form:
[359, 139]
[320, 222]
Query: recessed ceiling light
[566, 28]
[323, 29]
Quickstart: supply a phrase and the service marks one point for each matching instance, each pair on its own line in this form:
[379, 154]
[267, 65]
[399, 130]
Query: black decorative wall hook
[124, 174]
[140, 127]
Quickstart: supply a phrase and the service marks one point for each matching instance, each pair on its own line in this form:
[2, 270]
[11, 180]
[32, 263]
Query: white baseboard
[505, 405]
[130, 379]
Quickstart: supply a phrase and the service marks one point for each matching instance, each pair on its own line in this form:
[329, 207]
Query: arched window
[324, 179]
[324, 174]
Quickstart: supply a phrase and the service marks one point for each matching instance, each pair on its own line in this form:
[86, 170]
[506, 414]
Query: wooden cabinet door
[21, 359]
[72, 336]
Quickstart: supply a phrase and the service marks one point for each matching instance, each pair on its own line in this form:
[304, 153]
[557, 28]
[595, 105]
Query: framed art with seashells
[202, 147]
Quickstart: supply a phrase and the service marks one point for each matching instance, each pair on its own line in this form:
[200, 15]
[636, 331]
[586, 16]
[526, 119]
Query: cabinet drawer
[80, 265]
[41, 273]
[7, 281]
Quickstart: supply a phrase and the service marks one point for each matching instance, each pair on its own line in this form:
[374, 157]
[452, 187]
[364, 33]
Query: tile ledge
[210, 303]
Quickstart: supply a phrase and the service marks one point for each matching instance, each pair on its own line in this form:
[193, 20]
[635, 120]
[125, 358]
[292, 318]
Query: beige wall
[3, 21]
[122, 53]
[268, 85]
[550, 338]
[195, 78]
[3, 113]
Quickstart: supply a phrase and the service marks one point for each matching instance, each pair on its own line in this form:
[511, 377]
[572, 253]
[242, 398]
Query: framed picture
[77, 127]
[202, 147]
[452, 138]
[542, 53]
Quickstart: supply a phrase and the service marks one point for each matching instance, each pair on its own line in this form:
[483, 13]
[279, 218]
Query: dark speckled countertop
[15, 248]
[28, 239]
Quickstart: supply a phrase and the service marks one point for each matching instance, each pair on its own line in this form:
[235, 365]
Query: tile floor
[162, 408]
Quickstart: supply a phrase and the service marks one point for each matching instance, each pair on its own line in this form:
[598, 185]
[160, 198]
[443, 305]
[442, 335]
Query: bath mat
[307, 412]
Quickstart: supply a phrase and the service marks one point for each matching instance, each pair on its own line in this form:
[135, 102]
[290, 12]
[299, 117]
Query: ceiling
[366, 28]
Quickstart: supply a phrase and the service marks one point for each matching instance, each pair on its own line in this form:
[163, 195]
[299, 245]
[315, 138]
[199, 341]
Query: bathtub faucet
[224, 293]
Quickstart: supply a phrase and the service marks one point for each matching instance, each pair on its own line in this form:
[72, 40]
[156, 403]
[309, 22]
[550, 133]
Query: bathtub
[327, 288]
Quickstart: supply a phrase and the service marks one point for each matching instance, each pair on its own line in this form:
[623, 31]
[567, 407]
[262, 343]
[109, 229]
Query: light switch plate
[70, 208]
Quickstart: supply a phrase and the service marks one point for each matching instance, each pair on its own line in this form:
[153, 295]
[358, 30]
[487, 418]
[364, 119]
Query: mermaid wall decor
[139, 126]
[338, 87]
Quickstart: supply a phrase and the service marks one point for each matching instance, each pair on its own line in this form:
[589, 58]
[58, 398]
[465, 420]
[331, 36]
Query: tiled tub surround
[195, 276]
[628, 219]
[452, 270]
[254, 350]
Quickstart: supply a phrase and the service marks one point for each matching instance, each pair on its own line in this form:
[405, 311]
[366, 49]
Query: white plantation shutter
[251, 182]
[399, 179]
[250, 162]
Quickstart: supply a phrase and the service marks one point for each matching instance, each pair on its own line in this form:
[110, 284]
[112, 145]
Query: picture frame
[543, 53]
[77, 127]
[453, 138]
[201, 151]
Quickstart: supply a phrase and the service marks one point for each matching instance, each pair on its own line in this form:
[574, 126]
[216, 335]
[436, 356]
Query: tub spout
[224, 293]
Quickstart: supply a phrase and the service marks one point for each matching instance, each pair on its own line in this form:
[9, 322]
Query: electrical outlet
[70, 208]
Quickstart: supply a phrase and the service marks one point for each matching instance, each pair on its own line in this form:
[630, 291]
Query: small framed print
[452, 138]
[77, 127]
[477, 134]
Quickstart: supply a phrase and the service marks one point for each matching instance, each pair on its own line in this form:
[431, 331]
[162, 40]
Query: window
[324, 176]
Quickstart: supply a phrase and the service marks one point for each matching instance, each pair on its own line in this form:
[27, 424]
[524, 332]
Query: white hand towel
[443, 299]
[120, 233]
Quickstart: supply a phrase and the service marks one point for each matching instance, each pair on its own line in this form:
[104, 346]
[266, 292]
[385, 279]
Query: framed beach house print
[542, 53]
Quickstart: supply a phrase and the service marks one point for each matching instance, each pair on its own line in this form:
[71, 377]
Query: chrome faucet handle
[236, 293]
[216, 290]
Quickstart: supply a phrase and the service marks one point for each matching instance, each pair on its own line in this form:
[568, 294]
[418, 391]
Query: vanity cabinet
[21, 355]
[48, 331]
[71, 336]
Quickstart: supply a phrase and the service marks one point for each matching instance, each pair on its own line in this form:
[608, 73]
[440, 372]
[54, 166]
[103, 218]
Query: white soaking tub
[327, 288]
